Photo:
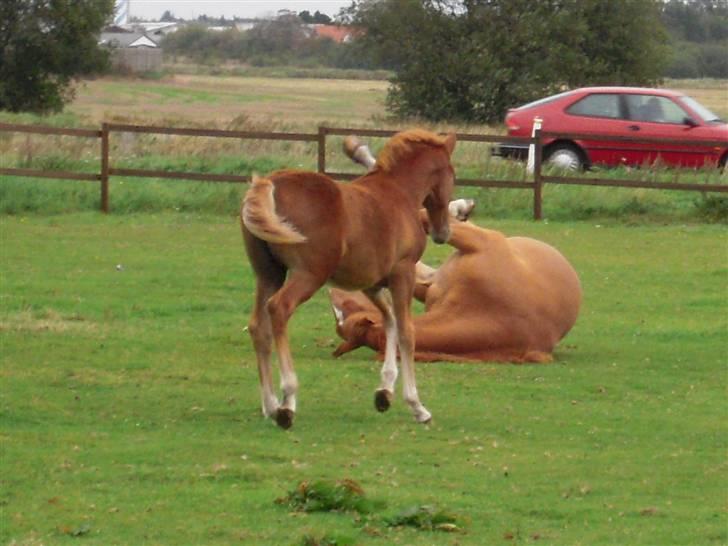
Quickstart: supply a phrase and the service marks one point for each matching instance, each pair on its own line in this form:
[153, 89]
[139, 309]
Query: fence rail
[536, 184]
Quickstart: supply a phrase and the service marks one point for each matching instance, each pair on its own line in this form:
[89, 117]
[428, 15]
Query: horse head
[425, 157]
[437, 201]
[355, 317]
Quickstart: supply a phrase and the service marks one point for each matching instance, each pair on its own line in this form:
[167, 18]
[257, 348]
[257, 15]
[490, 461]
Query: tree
[44, 46]
[317, 18]
[470, 60]
[168, 17]
[699, 38]
[321, 18]
[280, 35]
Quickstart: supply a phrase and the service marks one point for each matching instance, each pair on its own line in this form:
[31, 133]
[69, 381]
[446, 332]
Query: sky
[190, 9]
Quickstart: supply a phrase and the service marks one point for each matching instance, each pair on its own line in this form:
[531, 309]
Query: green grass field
[130, 412]
[129, 407]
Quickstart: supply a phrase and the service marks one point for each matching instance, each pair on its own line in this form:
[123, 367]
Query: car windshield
[701, 110]
[544, 101]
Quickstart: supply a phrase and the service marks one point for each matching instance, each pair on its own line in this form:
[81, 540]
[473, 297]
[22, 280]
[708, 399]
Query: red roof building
[338, 33]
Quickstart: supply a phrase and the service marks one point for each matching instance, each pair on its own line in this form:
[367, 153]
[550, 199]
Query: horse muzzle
[440, 236]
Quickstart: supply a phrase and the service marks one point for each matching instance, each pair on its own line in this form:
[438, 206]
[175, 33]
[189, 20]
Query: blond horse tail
[260, 217]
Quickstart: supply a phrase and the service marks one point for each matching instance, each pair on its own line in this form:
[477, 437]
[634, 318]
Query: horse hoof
[424, 417]
[284, 418]
[383, 399]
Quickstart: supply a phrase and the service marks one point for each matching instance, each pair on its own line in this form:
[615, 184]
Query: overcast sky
[189, 9]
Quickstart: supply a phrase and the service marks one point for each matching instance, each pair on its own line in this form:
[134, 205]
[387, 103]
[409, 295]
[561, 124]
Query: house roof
[126, 39]
[337, 33]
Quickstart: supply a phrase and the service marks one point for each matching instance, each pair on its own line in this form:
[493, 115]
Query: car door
[653, 116]
[603, 114]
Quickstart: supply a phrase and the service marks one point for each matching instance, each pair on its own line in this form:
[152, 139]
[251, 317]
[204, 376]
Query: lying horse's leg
[298, 288]
[385, 393]
[401, 285]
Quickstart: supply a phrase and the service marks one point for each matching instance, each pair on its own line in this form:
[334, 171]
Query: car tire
[565, 156]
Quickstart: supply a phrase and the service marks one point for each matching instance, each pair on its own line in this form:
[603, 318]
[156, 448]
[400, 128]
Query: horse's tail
[260, 218]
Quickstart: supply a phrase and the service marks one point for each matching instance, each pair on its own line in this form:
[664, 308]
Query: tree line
[696, 33]
[465, 60]
[285, 40]
[472, 59]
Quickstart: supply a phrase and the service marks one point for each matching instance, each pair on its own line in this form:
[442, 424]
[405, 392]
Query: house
[132, 51]
[338, 33]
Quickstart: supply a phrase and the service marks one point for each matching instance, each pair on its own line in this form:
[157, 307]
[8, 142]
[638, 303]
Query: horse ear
[345, 347]
[450, 141]
[338, 299]
[338, 314]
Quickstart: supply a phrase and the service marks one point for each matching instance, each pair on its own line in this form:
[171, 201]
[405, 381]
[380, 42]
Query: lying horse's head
[356, 321]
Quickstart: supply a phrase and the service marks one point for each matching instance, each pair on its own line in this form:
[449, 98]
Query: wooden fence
[535, 185]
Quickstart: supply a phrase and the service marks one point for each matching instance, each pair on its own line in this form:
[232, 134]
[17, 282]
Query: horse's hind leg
[269, 275]
[298, 288]
[261, 333]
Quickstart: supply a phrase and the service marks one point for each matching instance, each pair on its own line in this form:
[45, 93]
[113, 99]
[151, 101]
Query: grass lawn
[129, 409]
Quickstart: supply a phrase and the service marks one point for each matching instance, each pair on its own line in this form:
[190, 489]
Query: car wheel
[565, 156]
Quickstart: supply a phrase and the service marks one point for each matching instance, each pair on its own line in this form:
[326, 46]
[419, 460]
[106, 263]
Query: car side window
[654, 109]
[600, 105]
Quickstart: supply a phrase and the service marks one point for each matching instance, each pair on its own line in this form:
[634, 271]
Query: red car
[625, 112]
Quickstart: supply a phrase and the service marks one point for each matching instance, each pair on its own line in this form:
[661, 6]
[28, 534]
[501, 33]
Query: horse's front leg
[401, 285]
[385, 393]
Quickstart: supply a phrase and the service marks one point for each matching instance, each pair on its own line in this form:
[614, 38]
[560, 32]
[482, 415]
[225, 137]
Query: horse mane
[402, 144]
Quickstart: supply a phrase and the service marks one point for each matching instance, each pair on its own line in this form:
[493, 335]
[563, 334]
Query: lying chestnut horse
[303, 229]
[496, 298]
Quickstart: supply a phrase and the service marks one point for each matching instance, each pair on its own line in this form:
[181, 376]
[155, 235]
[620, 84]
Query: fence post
[537, 180]
[322, 149]
[104, 168]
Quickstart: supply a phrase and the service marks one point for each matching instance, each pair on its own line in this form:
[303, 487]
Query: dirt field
[275, 103]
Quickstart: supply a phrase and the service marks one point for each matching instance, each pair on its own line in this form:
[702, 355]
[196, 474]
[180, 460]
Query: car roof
[629, 90]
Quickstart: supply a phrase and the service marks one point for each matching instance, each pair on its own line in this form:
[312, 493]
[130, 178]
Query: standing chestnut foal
[302, 229]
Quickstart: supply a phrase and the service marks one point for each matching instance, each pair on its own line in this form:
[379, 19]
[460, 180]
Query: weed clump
[713, 208]
[323, 496]
[425, 517]
[327, 540]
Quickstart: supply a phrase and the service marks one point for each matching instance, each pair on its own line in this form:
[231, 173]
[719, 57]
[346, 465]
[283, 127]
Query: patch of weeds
[713, 208]
[323, 496]
[348, 496]
[327, 540]
[75, 532]
[425, 517]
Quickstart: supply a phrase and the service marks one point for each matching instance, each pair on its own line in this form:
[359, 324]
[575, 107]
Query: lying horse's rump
[494, 299]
